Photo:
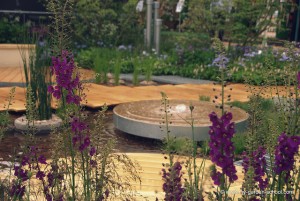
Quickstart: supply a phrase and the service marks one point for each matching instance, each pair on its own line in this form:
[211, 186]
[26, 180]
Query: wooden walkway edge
[98, 95]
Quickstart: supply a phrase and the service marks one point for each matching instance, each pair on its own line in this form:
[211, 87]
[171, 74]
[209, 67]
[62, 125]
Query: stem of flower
[84, 175]
[194, 156]
[222, 82]
[73, 166]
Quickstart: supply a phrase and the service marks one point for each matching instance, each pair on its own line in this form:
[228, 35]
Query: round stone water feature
[145, 118]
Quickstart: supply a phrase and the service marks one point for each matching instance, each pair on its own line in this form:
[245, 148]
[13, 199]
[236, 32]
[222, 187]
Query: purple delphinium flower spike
[221, 146]
[257, 160]
[285, 151]
[63, 68]
[172, 182]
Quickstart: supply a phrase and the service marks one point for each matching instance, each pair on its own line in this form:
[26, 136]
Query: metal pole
[158, 23]
[156, 9]
[149, 21]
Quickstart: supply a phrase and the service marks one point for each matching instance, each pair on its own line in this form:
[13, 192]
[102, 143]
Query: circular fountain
[147, 118]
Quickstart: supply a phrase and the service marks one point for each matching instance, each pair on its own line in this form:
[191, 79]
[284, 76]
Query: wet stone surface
[152, 111]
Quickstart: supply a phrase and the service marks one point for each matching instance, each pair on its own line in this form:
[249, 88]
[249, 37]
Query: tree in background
[105, 22]
[207, 16]
[249, 19]
[168, 14]
[242, 21]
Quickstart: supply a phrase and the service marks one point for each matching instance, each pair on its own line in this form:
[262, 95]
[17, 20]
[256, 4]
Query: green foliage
[204, 98]
[85, 58]
[239, 143]
[116, 69]
[11, 30]
[60, 28]
[107, 22]
[239, 21]
[198, 56]
[264, 121]
[94, 21]
[4, 115]
[147, 65]
[38, 77]
[181, 146]
[250, 19]
[206, 16]
[171, 40]
[168, 14]
[136, 70]
[239, 104]
[102, 58]
[130, 25]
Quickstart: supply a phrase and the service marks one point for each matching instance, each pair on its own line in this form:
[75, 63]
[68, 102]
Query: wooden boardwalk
[12, 75]
[16, 74]
[98, 95]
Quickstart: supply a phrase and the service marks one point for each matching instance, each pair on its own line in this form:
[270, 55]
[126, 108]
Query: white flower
[122, 47]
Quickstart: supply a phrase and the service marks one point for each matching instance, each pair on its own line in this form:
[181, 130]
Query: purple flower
[50, 89]
[50, 177]
[221, 146]
[87, 141]
[77, 125]
[285, 151]
[216, 177]
[63, 68]
[284, 57]
[42, 159]
[48, 197]
[85, 144]
[257, 160]
[25, 160]
[40, 175]
[92, 151]
[106, 193]
[57, 94]
[20, 173]
[17, 190]
[93, 163]
[221, 61]
[75, 139]
[81, 147]
[172, 182]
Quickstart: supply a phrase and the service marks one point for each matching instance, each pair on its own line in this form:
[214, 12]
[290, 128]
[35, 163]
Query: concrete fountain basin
[145, 118]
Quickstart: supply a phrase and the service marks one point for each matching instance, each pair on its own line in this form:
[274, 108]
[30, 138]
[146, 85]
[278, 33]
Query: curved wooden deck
[98, 95]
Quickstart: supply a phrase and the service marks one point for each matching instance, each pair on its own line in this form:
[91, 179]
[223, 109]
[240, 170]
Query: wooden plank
[15, 75]
[18, 102]
[4, 73]
[98, 95]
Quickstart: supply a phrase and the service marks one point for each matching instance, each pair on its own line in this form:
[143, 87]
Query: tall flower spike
[285, 152]
[172, 182]
[258, 161]
[63, 68]
[221, 146]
